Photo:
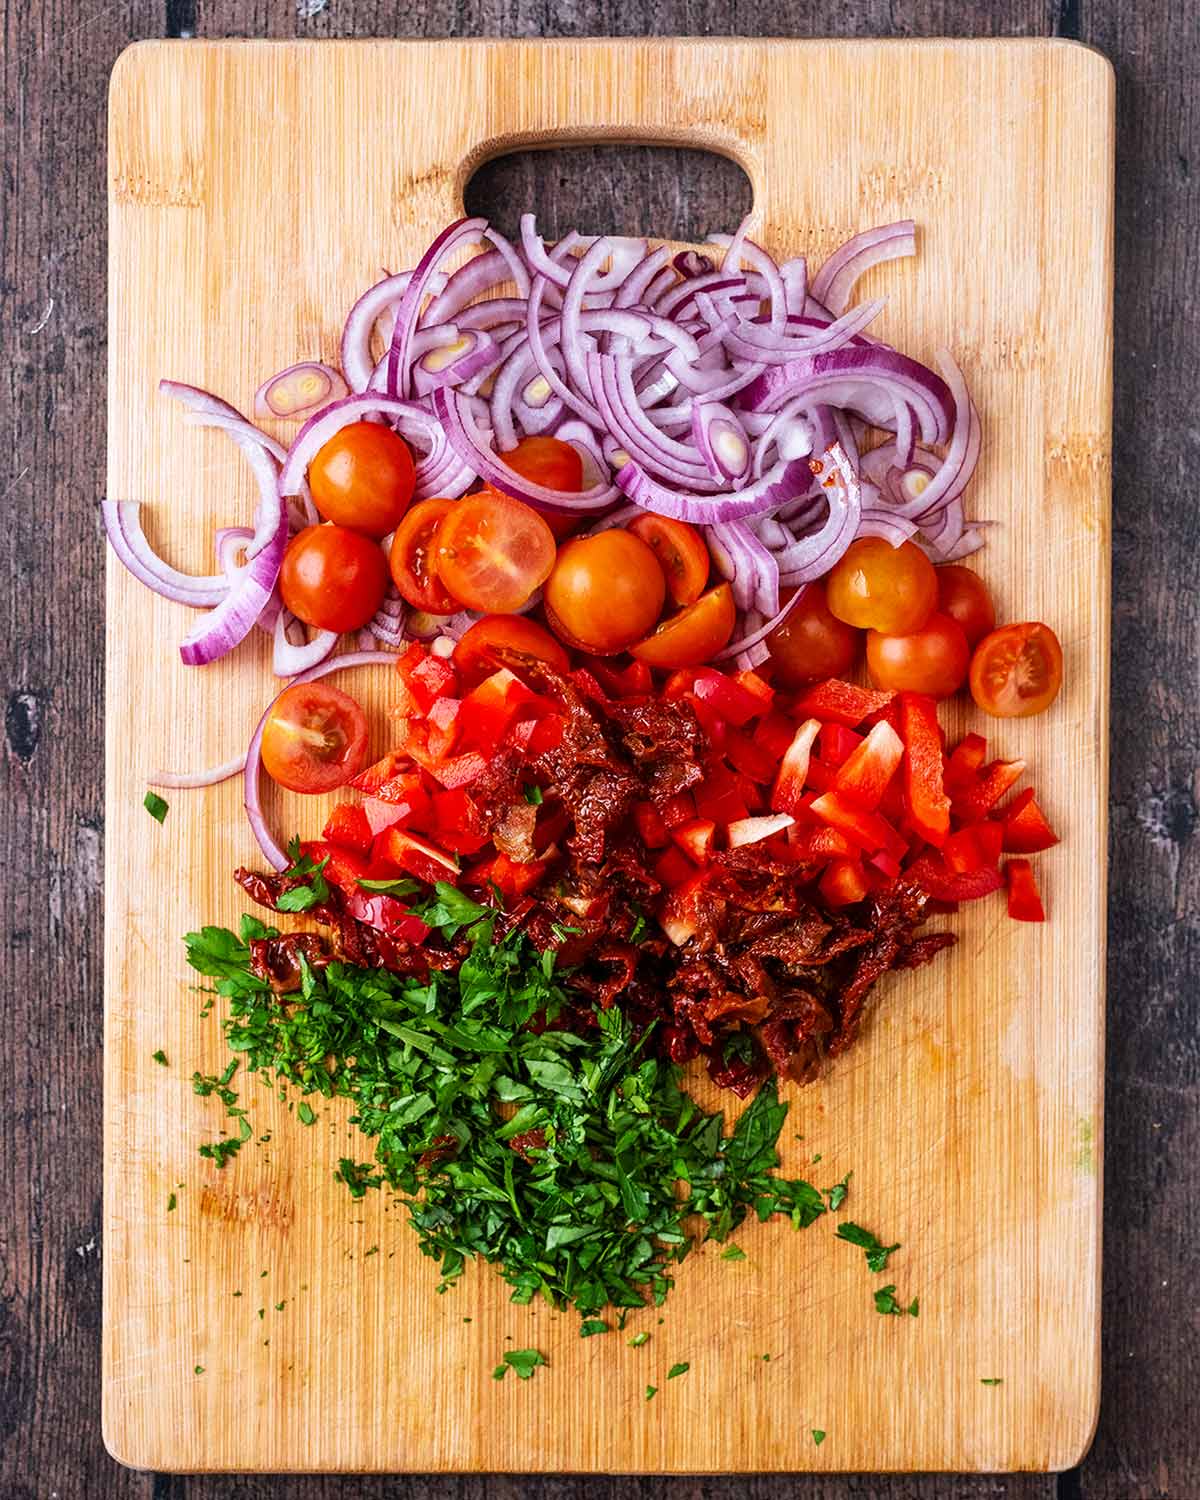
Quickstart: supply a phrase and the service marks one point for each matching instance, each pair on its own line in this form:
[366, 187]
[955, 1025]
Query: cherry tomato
[472, 658]
[880, 587]
[694, 635]
[411, 558]
[931, 660]
[606, 591]
[811, 644]
[363, 478]
[491, 552]
[1017, 670]
[315, 738]
[681, 554]
[556, 465]
[964, 596]
[332, 578]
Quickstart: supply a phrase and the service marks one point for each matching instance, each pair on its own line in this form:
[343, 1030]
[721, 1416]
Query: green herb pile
[619, 1173]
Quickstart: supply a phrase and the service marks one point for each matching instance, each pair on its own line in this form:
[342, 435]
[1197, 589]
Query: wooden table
[58, 54]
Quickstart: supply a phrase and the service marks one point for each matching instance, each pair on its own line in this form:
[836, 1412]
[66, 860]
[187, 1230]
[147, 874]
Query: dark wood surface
[57, 55]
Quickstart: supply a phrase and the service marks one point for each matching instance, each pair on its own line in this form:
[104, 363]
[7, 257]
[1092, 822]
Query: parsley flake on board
[818, 1436]
[155, 806]
[992, 1380]
[160, 1057]
[837, 1193]
[734, 1252]
[523, 1361]
[679, 1369]
[875, 1251]
[591, 1326]
[639, 1339]
[885, 1302]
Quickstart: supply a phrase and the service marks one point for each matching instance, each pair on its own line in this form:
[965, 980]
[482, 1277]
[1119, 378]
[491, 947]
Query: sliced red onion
[834, 282]
[811, 556]
[887, 524]
[691, 263]
[124, 530]
[738, 249]
[299, 390]
[753, 657]
[233, 619]
[778, 485]
[583, 439]
[357, 360]
[614, 393]
[794, 275]
[291, 656]
[955, 472]
[537, 343]
[635, 288]
[272, 853]
[460, 357]
[473, 449]
[211, 777]
[231, 543]
[748, 564]
[540, 262]
[722, 440]
[453, 238]
[752, 342]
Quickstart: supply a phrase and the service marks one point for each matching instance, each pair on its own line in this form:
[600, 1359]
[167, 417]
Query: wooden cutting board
[268, 1321]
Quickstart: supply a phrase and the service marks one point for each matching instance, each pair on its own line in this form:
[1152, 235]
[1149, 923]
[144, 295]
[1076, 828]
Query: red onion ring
[318, 384]
[834, 282]
[211, 777]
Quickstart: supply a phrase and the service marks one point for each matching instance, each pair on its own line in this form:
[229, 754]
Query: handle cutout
[666, 192]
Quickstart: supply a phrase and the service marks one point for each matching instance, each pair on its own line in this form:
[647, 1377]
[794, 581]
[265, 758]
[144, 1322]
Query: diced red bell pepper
[745, 756]
[718, 796]
[651, 829]
[696, 838]
[975, 847]
[712, 723]
[456, 822]
[632, 681]
[343, 867]
[821, 776]
[443, 726]
[840, 702]
[843, 883]
[864, 775]
[810, 843]
[426, 861]
[511, 877]
[928, 807]
[774, 733]
[1026, 830]
[347, 826]
[679, 916]
[381, 815]
[866, 830]
[756, 830]
[426, 676]
[673, 868]
[1024, 900]
[677, 809]
[490, 709]
[387, 914]
[964, 761]
[794, 768]
[679, 683]
[395, 763]
[545, 736]
[837, 743]
[887, 864]
[753, 795]
[978, 799]
[931, 874]
[758, 687]
[726, 697]
[458, 770]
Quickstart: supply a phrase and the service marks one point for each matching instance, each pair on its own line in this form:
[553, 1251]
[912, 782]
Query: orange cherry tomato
[694, 635]
[931, 660]
[964, 596]
[1017, 670]
[605, 593]
[411, 558]
[491, 552]
[812, 645]
[333, 578]
[681, 554]
[315, 738]
[556, 465]
[472, 654]
[880, 587]
[363, 478]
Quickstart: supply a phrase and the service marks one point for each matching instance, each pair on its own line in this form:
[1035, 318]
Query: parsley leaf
[639, 1339]
[452, 911]
[837, 1193]
[592, 1326]
[172, 1201]
[885, 1302]
[992, 1380]
[155, 806]
[651, 1392]
[160, 1057]
[402, 886]
[734, 1252]
[875, 1251]
[523, 1361]
[305, 1111]
[679, 1369]
[534, 794]
[818, 1436]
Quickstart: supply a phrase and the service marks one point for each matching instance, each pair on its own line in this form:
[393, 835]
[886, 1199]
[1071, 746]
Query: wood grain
[972, 1111]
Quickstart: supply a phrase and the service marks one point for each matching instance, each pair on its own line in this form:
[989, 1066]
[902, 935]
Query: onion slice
[299, 390]
[211, 777]
[780, 484]
[719, 435]
[123, 527]
[834, 282]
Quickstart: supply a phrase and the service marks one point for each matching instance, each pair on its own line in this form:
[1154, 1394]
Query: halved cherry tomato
[932, 660]
[964, 596]
[880, 587]
[333, 578]
[411, 558]
[472, 655]
[812, 644]
[491, 552]
[1017, 670]
[363, 478]
[315, 738]
[605, 592]
[681, 552]
[692, 636]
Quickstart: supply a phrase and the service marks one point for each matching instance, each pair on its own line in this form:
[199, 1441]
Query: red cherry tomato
[472, 658]
[694, 635]
[812, 645]
[492, 552]
[681, 552]
[605, 593]
[1017, 670]
[880, 587]
[363, 478]
[411, 558]
[931, 660]
[555, 465]
[315, 738]
[332, 578]
[964, 596]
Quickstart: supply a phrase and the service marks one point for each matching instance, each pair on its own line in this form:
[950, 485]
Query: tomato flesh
[880, 587]
[333, 578]
[682, 554]
[363, 478]
[472, 655]
[492, 552]
[812, 644]
[933, 660]
[694, 635]
[1017, 670]
[411, 558]
[315, 738]
[605, 593]
[964, 596]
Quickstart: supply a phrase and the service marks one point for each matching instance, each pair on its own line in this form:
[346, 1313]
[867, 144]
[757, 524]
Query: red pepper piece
[396, 846]
[887, 864]
[745, 756]
[931, 874]
[927, 806]
[679, 683]
[1026, 830]
[837, 702]
[774, 733]
[963, 763]
[712, 723]
[837, 743]
[810, 843]
[458, 770]
[443, 726]
[726, 697]
[673, 868]
[395, 764]
[866, 830]
[759, 688]
[718, 797]
[677, 809]
[652, 831]
[386, 913]
[512, 878]
[993, 782]
[347, 827]
[343, 867]
[843, 883]
[1024, 900]
[696, 838]
[794, 769]
[864, 775]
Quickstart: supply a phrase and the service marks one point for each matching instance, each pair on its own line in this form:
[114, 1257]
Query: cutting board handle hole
[666, 192]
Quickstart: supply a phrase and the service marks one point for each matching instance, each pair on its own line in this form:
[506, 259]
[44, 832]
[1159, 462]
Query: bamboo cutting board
[269, 1322]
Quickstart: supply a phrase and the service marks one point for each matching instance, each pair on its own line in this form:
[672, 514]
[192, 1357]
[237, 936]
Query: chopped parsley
[837, 1193]
[639, 1339]
[160, 1057]
[172, 1202]
[523, 1361]
[534, 795]
[305, 1111]
[401, 886]
[875, 1251]
[734, 1252]
[198, 1370]
[651, 1392]
[679, 1369]
[818, 1436]
[591, 1326]
[992, 1380]
[885, 1302]
[302, 867]
[155, 806]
